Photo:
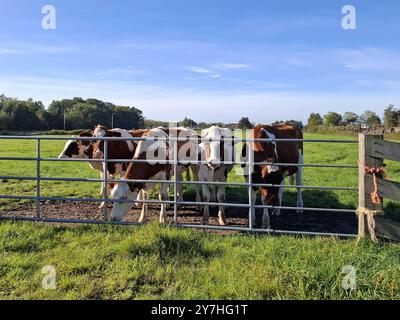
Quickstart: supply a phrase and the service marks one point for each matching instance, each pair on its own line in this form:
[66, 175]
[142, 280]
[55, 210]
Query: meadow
[152, 261]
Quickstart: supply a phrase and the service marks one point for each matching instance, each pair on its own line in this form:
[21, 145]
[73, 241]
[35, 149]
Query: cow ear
[85, 134]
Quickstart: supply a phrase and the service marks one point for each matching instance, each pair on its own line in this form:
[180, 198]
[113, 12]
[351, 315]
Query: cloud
[370, 59]
[122, 71]
[198, 69]
[234, 65]
[30, 48]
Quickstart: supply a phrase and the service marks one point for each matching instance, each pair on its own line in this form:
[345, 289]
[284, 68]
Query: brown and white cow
[216, 148]
[85, 149]
[274, 152]
[116, 149]
[156, 153]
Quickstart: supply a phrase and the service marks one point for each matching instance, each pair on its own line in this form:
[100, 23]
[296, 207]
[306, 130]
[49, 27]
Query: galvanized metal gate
[38, 198]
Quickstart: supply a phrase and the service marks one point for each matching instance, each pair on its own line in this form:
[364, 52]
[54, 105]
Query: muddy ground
[334, 222]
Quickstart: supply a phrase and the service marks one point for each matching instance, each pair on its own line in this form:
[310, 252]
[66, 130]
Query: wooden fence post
[366, 207]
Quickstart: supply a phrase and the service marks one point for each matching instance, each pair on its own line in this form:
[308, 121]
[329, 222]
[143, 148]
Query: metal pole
[64, 121]
[250, 164]
[105, 189]
[175, 181]
[38, 178]
[112, 120]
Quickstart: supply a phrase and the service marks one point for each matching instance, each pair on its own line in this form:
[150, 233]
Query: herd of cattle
[209, 157]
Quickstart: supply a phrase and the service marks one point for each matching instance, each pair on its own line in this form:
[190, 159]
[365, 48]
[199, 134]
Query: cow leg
[195, 171]
[221, 211]
[265, 222]
[277, 211]
[103, 192]
[206, 198]
[253, 203]
[145, 196]
[179, 177]
[140, 196]
[299, 182]
[163, 196]
[101, 206]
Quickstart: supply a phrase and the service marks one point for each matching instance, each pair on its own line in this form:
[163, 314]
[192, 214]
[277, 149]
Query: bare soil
[333, 222]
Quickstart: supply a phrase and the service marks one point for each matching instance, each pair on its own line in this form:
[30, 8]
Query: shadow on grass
[176, 248]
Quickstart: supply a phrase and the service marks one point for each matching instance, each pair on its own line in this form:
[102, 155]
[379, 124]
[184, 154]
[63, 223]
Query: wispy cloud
[198, 69]
[234, 65]
[370, 59]
[121, 71]
[30, 48]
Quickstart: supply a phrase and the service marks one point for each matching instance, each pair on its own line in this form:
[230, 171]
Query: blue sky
[208, 60]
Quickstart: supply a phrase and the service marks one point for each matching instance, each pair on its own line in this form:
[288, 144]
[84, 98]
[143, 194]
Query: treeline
[391, 118]
[68, 114]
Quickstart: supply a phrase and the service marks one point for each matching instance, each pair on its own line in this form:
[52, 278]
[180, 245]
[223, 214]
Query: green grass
[152, 261]
[114, 262]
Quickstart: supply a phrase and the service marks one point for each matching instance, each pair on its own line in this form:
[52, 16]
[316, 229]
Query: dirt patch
[334, 222]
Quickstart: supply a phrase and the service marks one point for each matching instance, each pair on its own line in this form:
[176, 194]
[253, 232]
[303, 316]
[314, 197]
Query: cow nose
[98, 155]
[214, 164]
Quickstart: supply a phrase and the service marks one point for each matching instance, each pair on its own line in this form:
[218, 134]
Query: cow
[85, 149]
[116, 149]
[216, 147]
[272, 152]
[155, 152]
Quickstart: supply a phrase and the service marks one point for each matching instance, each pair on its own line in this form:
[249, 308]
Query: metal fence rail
[175, 163]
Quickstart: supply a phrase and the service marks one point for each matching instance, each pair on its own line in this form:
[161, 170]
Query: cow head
[267, 173]
[123, 191]
[215, 149]
[99, 131]
[78, 148]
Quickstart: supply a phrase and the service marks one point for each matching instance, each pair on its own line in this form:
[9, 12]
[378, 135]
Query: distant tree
[314, 120]
[125, 117]
[332, 119]
[188, 123]
[148, 123]
[374, 120]
[391, 117]
[370, 118]
[349, 117]
[244, 123]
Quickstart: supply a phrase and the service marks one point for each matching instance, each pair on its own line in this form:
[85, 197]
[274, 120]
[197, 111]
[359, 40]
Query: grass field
[153, 261]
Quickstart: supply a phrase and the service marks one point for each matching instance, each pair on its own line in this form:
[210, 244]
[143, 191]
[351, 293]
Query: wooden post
[365, 202]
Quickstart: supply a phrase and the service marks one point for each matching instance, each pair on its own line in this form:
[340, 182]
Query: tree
[374, 120]
[188, 123]
[314, 120]
[245, 123]
[332, 119]
[349, 117]
[370, 118]
[391, 117]
[28, 115]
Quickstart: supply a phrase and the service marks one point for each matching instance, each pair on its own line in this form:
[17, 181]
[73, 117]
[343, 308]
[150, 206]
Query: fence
[373, 187]
[392, 190]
